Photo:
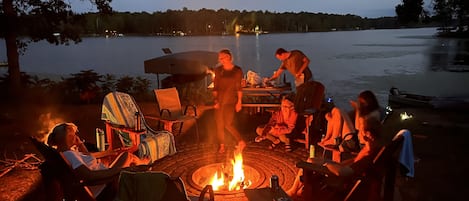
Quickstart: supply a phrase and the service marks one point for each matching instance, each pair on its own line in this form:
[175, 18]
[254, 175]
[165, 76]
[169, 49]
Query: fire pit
[204, 175]
[197, 165]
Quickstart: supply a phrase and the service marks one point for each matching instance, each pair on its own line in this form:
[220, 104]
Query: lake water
[345, 62]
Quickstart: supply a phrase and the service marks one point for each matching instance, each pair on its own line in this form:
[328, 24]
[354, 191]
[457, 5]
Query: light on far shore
[405, 116]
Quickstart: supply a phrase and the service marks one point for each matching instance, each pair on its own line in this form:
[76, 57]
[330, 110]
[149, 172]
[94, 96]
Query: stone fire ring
[257, 156]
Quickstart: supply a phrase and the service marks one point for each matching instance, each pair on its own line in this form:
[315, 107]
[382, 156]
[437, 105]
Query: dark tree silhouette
[446, 10]
[37, 20]
[409, 11]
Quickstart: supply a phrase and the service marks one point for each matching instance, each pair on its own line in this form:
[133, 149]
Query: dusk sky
[364, 8]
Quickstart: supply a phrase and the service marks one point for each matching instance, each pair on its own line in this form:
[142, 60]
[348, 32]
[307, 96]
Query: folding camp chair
[169, 106]
[127, 130]
[156, 185]
[60, 181]
[321, 184]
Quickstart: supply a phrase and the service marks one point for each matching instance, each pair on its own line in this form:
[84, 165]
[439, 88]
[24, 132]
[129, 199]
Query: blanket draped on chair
[120, 109]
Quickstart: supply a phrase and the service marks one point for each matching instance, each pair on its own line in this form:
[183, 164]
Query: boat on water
[397, 98]
[3, 64]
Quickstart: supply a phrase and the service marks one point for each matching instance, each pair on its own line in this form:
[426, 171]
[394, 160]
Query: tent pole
[158, 80]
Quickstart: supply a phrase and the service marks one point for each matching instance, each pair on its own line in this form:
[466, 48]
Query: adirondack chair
[127, 130]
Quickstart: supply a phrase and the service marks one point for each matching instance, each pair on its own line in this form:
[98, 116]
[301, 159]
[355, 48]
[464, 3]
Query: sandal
[259, 138]
[274, 144]
[288, 148]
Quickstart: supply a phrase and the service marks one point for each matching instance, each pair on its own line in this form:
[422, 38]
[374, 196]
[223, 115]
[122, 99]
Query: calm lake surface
[345, 62]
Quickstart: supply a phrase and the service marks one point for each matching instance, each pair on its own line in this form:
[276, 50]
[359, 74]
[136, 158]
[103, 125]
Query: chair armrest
[329, 147]
[125, 129]
[160, 118]
[165, 110]
[313, 167]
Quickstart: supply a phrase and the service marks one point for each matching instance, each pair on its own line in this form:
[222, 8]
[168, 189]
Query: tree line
[212, 22]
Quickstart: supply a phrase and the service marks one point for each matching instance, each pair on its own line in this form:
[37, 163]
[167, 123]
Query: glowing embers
[233, 176]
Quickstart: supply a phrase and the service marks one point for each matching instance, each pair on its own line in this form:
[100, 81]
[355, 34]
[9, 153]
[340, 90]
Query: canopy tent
[190, 62]
[182, 64]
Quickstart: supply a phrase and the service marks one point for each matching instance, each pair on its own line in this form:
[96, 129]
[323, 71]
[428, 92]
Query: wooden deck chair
[315, 93]
[320, 184]
[60, 181]
[170, 109]
[127, 130]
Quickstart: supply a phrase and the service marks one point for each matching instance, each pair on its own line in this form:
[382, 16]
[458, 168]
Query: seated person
[340, 123]
[64, 137]
[281, 123]
[372, 132]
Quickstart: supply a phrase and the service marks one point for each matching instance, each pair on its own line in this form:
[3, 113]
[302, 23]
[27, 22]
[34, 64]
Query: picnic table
[264, 97]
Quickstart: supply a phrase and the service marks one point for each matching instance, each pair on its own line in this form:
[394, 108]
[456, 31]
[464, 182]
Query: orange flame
[217, 181]
[238, 171]
[238, 179]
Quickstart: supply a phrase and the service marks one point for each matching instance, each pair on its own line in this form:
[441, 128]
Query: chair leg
[197, 131]
[180, 128]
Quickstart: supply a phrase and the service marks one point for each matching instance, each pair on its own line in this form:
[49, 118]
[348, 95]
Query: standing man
[228, 93]
[296, 62]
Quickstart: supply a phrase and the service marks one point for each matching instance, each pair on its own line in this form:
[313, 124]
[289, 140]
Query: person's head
[63, 135]
[286, 104]
[367, 103]
[224, 57]
[281, 54]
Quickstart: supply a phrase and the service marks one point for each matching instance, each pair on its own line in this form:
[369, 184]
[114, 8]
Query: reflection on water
[450, 55]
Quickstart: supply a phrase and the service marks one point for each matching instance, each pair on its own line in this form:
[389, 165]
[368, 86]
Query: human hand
[216, 106]
[77, 140]
[354, 104]
[238, 107]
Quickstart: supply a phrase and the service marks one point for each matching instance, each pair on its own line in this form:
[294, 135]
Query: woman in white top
[65, 139]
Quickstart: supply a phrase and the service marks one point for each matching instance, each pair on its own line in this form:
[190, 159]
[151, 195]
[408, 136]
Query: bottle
[100, 141]
[137, 121]
[274, 185]
[311, 151]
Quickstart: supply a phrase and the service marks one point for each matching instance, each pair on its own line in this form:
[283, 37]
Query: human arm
[87, 168]
[93, 176]
[239, 88]
[80, 145]
[215, 89]
[338, 169]
[304, 66]
[215, 100]
[288, 123]
[276, 74]
[239, 103]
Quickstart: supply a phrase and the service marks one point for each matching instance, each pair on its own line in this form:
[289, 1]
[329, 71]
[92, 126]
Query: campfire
[231, 180]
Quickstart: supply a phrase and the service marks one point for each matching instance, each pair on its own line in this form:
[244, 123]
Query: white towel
[406, 157]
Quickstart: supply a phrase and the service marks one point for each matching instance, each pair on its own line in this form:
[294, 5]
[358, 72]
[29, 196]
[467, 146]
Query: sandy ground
[439, 137]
